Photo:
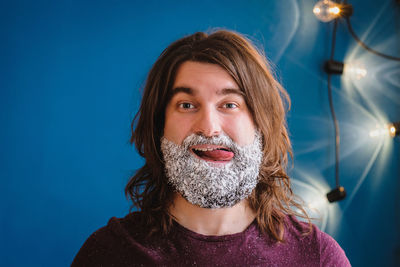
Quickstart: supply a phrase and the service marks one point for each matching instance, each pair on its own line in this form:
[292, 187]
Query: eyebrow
[185, 90]
[190, 91]
[228, 91]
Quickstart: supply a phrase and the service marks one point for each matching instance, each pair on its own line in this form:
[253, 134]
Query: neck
[223, 221]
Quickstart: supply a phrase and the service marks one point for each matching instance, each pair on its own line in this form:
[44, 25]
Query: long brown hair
[272, 199]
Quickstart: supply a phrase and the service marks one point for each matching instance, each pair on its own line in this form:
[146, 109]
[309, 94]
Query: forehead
[194, 68]
[197, 77]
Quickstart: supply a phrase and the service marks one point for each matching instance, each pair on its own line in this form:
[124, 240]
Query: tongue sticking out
[215, 155]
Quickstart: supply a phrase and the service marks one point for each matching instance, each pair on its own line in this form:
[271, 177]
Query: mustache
[220, 140]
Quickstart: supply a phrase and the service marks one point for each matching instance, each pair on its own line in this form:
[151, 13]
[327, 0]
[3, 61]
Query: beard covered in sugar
[208, 184]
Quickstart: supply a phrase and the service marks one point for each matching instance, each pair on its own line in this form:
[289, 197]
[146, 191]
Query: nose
[207, 123]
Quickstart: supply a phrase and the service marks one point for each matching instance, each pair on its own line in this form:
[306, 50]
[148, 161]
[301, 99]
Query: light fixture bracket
[333, 67]
[346, 10]
[394, 129]
[337, 194]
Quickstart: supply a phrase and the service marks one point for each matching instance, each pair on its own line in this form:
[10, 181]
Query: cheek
[241, 130]
[176, 129]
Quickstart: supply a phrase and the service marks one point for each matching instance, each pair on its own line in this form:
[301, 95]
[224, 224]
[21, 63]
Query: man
[214, 190]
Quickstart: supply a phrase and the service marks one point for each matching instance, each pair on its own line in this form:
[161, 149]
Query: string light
[326, 11]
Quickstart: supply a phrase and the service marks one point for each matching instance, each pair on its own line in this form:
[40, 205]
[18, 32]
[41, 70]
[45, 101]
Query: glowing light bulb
[326, 10]
[391, 129]
[379, 131]
[355, 70]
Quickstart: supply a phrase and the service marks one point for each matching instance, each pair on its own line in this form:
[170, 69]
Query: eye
[229, 105]
[186, 105]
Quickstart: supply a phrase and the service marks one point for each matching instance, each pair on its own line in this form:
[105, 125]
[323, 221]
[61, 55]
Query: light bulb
[326, 10]
[355, 70]
[391, 129]
[379, 131]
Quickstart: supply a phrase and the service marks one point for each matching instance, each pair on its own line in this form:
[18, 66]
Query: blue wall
[69, 86]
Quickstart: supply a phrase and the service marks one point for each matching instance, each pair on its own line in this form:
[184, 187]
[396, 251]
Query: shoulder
[331, 253]
[110, 241]
[318, 245]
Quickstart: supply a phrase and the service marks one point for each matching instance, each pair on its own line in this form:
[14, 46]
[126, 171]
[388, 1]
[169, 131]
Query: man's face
[211, 149]
[207, 101]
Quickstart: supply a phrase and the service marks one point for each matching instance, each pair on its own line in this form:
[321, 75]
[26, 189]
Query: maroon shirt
[121, 243]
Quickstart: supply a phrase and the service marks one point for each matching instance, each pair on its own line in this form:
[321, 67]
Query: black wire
[337, 131]
[362, 44]
[333, 39]
[334, 119]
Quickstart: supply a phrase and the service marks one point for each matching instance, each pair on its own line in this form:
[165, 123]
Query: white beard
[207, 184]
